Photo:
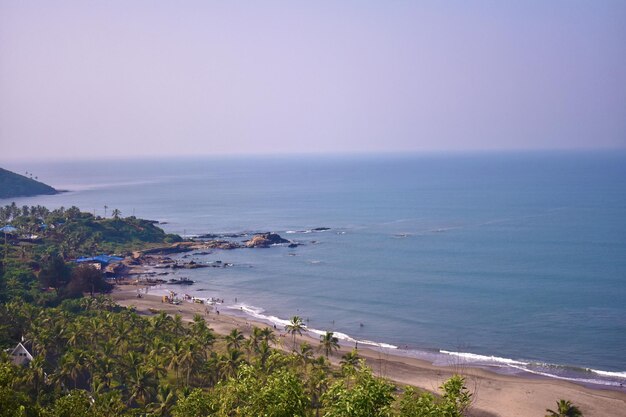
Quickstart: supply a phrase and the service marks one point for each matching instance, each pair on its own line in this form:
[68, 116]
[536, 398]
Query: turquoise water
[509, 260]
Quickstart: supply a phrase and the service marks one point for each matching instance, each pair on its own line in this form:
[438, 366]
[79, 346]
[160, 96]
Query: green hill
[15, 185]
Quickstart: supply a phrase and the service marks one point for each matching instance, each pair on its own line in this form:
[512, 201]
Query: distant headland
[16, 185]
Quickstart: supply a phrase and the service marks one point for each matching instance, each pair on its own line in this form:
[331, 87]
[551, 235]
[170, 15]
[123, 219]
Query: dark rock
[222, 244]
[321, 229]
[196, 266]
[208, 236]
[265, 240]
[222, 236]
[167, 250]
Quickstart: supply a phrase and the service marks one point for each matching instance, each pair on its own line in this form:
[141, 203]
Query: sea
[510, 261]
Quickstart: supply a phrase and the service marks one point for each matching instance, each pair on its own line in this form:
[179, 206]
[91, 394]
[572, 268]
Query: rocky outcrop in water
[221, 244]
[265, 240]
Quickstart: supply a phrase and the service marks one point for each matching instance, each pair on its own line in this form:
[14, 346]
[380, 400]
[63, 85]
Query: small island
[16, 185]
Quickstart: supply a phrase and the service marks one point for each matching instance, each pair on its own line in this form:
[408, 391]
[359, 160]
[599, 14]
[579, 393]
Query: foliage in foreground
[93, 358]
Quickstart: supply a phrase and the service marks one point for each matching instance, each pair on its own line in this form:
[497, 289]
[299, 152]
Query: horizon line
[331, 154]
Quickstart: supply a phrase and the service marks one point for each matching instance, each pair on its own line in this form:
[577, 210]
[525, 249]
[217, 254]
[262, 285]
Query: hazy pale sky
[103, 78]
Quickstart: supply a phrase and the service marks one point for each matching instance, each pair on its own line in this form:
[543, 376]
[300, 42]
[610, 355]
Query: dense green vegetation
[94, 358]
[37, 249]
[73, 233]
[16, 185]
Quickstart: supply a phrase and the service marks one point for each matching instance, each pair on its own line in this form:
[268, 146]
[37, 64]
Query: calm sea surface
[509, 260]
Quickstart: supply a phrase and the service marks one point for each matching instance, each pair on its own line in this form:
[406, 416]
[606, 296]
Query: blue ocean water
[504, 259]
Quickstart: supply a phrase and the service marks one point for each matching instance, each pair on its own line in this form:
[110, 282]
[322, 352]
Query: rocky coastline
[147, 266]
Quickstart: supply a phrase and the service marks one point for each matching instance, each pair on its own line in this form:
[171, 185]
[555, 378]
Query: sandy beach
[495, 394]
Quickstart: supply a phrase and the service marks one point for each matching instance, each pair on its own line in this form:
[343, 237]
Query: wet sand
[495, 394]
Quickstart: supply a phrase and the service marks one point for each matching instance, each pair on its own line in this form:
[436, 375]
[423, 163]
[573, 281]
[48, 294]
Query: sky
[157, 78]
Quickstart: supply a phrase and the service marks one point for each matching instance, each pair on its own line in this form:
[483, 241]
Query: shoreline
[146, 271]
[521, 395]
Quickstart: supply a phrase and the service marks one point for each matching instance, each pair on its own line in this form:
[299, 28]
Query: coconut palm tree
[229, 362]
[190, 358]
[328, 343]
[255, 339]
[295, 326]
[268, 335]
[264, 353]
[116, 214]
[306, 353]
[178, 327]
[564, 409]
[141, 384]
[350, 360]
[175, 352]
[165, 400]
[36, 376]
[234, 339]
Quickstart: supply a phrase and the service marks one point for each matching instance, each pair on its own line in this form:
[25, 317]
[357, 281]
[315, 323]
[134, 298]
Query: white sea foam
[258, 313]
[609, 374]
[472, 357]
[573, 379]
[346, 338]
[524, 366]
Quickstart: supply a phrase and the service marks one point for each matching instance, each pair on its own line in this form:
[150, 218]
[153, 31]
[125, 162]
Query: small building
[20, 355]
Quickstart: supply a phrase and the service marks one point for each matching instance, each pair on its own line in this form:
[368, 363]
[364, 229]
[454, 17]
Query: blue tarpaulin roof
[8, 229]
[103, 259]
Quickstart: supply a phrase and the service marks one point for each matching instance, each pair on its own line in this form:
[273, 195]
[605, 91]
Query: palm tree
[141, 385]
[116, 214]
[317, 384]
[155, 363]
[234, 339]
[350, 360]
[229, 362]
[328, 343]
[36, 375]
[165, 400]
[189, 359]
[306, 353]
[255, 339]
[178, 327]
[71, 367]
[268, 335]
[104, 371]
[564, 409]
[161, 321]
[175, 353]
[264, 353]
[296, 325]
